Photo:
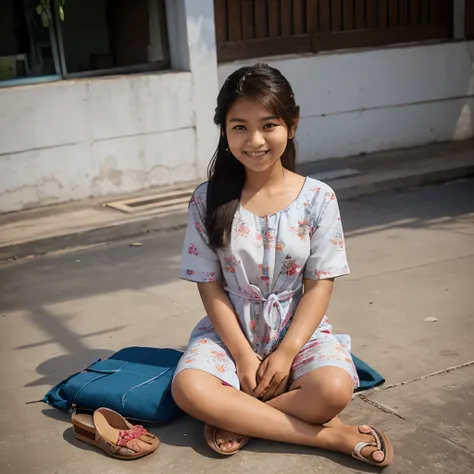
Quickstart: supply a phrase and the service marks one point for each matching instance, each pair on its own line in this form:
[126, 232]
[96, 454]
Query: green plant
[43, 9]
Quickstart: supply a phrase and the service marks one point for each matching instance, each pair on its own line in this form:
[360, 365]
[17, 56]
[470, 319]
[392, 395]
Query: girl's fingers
[263, 385]
[261, 371]
[272, 387]
[282, 387]
[276, 388]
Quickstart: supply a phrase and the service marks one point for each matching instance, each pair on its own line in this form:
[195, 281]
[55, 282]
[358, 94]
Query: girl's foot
[224, 442]
[369, 445]
[364, 443]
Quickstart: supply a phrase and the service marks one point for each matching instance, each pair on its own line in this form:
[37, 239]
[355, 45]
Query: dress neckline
[281, 210]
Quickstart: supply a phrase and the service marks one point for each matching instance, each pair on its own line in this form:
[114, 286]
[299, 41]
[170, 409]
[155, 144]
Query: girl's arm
[308, 316]
[223, 318]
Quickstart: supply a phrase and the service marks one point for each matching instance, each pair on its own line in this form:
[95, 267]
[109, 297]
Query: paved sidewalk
[84, 223]
[411, 256]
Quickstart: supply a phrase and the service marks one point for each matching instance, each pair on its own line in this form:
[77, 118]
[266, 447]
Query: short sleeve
[199, 262]
[327, 257]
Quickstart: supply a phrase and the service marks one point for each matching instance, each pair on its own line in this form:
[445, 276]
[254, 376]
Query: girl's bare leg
[318, 396]
[204, 397]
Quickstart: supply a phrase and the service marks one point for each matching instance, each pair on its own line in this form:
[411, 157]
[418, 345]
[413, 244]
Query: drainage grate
[156, 202]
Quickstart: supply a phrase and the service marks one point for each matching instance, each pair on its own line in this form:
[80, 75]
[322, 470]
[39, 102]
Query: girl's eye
[239, 127]
[269, 126]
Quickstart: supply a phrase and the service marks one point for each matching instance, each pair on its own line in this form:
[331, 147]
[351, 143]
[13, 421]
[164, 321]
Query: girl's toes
[378, 456]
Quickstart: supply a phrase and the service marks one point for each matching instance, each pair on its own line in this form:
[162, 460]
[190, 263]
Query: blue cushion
[368, 377]
[135, 382]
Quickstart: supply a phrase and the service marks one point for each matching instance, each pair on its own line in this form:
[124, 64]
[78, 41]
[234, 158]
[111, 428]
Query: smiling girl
[264, 245]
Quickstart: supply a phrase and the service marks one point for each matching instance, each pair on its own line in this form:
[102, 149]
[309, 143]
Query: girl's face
[256, 137]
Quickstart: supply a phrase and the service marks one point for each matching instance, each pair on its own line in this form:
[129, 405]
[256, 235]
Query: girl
[264, 245]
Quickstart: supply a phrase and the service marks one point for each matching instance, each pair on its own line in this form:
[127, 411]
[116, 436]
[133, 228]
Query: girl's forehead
[249, 109]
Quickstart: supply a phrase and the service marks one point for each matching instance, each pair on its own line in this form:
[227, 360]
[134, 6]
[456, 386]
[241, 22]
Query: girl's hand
[247, 368]
[273, 376]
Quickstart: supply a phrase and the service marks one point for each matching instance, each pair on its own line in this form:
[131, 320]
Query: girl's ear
[292, 130]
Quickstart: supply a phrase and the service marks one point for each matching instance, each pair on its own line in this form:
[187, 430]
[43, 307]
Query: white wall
[366, 101]
[75, 139]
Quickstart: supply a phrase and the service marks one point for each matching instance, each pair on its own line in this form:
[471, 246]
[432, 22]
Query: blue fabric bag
[135, 382]
[368, 377]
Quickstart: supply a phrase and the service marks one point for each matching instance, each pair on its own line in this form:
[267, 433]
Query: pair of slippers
[108, 430]
[111, 432]
[381, 443]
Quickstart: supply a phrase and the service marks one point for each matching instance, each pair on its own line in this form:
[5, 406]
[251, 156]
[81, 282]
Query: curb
[398, 183]
[151, 224]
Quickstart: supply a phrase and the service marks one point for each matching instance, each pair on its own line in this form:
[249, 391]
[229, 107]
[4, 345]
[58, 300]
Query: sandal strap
[379, 442]
[357, 452]
[142, 431]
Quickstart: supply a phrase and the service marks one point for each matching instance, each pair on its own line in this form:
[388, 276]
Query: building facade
[101, 97]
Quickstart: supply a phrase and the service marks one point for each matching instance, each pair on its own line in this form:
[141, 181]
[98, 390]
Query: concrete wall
[74, 139]
[366, 101]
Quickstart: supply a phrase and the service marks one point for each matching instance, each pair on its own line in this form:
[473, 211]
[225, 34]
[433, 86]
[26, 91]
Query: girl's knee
[190, 387]
[336, 393]
[329, 394]
[185, 388]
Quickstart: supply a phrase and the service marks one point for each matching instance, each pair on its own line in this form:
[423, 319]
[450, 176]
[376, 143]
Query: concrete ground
[412, 257]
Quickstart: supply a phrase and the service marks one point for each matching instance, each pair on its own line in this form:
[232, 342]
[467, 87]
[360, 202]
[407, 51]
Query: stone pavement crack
[439, 372]
[365, 396]
[381, 407]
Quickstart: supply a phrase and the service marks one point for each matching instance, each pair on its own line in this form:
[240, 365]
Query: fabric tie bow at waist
[272, 303]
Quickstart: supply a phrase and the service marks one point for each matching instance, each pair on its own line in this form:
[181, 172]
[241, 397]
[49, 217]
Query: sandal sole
[86, 439]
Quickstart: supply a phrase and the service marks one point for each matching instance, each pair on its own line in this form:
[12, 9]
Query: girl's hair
[226, 174]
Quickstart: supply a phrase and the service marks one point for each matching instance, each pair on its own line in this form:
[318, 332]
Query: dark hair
[226, 174]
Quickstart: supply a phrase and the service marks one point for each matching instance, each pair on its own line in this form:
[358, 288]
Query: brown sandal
[111, 432]
[210, 433]
[382, 443]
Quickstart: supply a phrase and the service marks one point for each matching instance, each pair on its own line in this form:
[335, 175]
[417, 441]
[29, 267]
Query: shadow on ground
[107, 269]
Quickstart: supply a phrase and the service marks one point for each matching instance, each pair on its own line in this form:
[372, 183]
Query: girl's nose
[256, 140]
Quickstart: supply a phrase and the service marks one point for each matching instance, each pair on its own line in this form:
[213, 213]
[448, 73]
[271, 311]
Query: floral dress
[262, 271]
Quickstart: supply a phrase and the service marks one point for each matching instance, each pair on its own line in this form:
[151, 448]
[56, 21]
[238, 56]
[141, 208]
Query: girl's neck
[271, 177]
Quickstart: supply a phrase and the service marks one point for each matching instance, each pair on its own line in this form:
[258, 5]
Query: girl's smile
[255, 135]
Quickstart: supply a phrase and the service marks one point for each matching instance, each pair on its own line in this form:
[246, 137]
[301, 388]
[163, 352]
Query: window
[43, 40]
[254, 28]
[27, 48]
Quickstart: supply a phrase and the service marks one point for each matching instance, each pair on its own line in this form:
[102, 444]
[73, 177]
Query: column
[193, 48]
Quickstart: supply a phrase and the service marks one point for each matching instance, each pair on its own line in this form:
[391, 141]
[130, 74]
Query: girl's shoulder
[318, 192]
[199, 195]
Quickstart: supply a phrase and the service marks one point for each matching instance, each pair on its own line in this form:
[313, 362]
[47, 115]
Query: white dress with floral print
[262, 271]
